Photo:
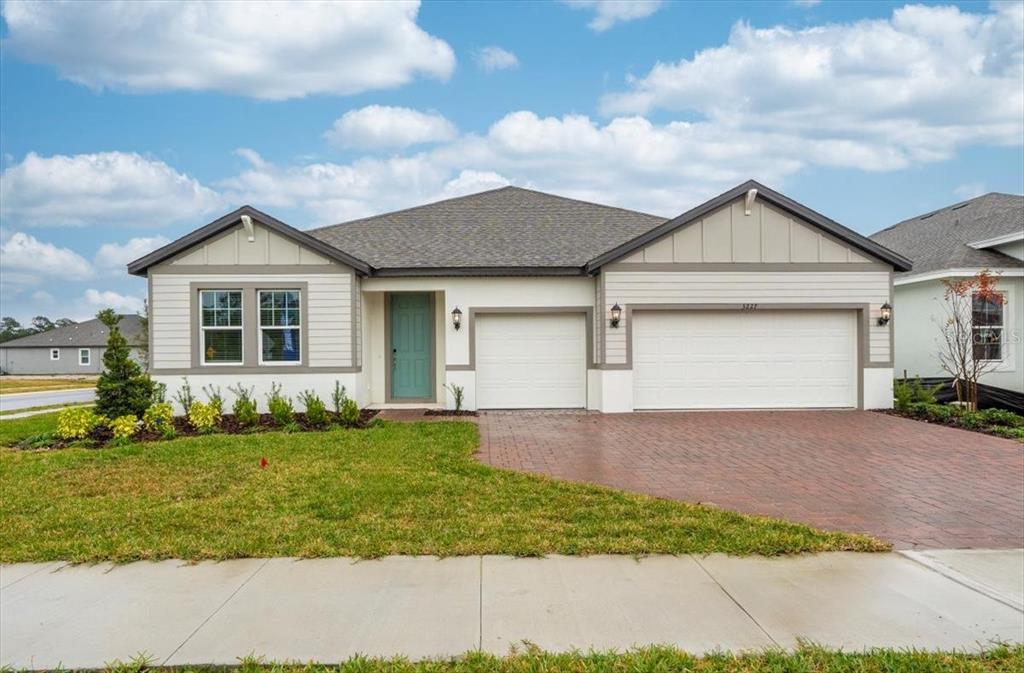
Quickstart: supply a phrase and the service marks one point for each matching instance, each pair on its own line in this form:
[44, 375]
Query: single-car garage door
[531, 361]
[744, 359]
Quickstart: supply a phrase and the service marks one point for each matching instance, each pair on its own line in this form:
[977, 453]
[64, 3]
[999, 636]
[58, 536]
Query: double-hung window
[987, 324]
[84, 357]
[55, 354]
[221, 327]
[280, 326]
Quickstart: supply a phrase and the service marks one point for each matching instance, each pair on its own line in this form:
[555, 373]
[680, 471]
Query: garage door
[531, 361]
[744, 359]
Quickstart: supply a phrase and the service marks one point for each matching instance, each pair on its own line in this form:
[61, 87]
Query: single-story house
[531, 300]
[958, 241]
[77, 348]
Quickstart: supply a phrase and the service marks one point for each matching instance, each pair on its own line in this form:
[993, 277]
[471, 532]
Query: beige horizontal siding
[683, 287]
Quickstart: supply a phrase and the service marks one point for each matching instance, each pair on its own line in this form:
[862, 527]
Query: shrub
[349, 415]
[122, 388]
[43, 440]
[279, 406]
[1010, 433]
[76, 423]
[203, 417]
[244, 407]
[184, 396]
[338, 398]
[907, 392]
[972, 420]
[159, 392]
[316, 410]
[458, 393]
[214, 398]
[159, 417]
[1002, 417]
[940, 413]
[124, 427]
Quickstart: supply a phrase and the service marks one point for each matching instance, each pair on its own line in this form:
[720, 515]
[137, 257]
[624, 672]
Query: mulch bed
[448, 412]
[952, 423]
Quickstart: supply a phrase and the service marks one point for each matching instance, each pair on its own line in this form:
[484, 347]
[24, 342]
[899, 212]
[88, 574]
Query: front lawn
[13, 430]
[410, 488]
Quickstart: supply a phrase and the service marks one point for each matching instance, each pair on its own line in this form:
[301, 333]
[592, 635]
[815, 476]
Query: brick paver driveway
[913, 484]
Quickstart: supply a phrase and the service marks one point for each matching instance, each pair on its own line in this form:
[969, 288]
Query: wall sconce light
[616, 315]
[886, 315]
[456, 318]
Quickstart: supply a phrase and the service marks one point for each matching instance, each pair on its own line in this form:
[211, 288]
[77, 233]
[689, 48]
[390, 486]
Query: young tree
[122, 388]
[961, 344]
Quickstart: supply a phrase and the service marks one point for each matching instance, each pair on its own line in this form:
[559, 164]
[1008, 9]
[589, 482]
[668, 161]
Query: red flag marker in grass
[263, 463]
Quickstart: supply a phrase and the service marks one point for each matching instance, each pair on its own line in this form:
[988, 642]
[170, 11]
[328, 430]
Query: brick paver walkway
[914, 484]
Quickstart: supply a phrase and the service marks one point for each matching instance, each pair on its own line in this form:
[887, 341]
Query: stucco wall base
[291, 385]
[616, 390]
[877, 388]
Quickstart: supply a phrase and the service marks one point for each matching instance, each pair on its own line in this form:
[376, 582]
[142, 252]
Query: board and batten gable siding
[229, 260]
[765, 258]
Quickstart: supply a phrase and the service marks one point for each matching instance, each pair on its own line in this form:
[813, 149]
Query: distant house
[956, 242]
[73, 349]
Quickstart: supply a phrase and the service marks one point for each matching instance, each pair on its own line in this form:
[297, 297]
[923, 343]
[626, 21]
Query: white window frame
[260, 328]
[203, 328]
[54, 354]
[88, 357]
[1003, 350]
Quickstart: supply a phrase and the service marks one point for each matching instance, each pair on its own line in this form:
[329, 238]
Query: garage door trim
[474, 311]
[863, 310]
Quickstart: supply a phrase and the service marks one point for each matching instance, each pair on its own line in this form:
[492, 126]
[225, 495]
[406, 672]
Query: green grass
[409, 488]
[806, 659]
[13, 430]
[12, 384]
[44, 407]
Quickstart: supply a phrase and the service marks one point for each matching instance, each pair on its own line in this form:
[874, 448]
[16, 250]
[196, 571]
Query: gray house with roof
[70, 350]
[958, 241]
[531, 300]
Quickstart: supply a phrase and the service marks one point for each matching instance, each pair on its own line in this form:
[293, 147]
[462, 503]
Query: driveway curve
[911, 483]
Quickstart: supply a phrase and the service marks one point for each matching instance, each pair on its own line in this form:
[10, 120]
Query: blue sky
[123, 126]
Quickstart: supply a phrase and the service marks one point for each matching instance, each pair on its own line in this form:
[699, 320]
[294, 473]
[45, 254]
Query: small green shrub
[1010, 433]
[124, 427]
[338, 398]
[123, 388]
[349, 415]
[244, 407]
[76, 423]
[43, 440]
[458, 393]
[184, 396]
[159, 417]
[316, 410]
[213, 397]
[279, 406]
[203, 417]
[972, 420]
[940, 413]
[906, 393]
[1002, 417]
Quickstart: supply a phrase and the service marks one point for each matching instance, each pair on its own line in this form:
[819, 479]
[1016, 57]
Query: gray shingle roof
[940, 239]
[82, 334]
[506, 227]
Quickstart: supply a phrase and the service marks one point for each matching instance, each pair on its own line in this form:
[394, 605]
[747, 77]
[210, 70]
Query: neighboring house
[530, 300]
[956, 242]
[74, 349]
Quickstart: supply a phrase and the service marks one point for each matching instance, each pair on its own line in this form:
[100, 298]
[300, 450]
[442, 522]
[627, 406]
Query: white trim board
[998, 240]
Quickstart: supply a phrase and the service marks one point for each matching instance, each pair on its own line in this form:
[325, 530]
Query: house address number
[749, 307]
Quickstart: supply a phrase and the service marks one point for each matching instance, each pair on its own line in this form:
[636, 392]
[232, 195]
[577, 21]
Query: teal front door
[412, 347]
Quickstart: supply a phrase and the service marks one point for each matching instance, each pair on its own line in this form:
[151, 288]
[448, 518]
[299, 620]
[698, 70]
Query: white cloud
[379, 126]
[806, 3]
[969, 190]
[471, 182]
[27, 255]
[116, 256]
[609, 12]
[882, 93]
[42, 297]
[105, 188]
[272, 50]
[494, 58]
[121, 303]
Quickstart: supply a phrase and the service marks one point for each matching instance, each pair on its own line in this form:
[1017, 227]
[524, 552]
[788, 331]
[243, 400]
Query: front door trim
[431, 308]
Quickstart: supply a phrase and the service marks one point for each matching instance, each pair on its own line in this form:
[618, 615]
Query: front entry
[411, 327]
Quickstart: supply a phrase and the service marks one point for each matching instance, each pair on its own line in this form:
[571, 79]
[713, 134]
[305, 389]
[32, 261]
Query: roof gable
[218, 232]
[837, 238]
[87, 333]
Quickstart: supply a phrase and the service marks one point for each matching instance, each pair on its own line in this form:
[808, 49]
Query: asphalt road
[46, 398]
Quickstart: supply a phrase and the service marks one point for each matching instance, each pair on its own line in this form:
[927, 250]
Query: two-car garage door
[744, 359]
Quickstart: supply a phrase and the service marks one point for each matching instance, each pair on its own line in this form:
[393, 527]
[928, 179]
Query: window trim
[54, 354]
[88, 359]
[260, 328]
[203, 328]
[1003, 355]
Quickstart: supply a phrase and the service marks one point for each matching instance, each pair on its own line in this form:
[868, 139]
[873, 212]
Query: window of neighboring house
[55, 354]
[280, 327]
[987, 323]
[221, 327]
[84, 357]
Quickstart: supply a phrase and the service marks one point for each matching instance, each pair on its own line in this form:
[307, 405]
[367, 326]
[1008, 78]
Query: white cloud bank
[271, 50]
[115, 257]
[115, 188]
[607, 13]
[121, 303]
[28, 255]
[378, 126]
[494, 58]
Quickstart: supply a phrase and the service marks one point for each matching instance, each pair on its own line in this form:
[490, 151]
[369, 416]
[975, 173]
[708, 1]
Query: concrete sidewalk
[330, 609]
